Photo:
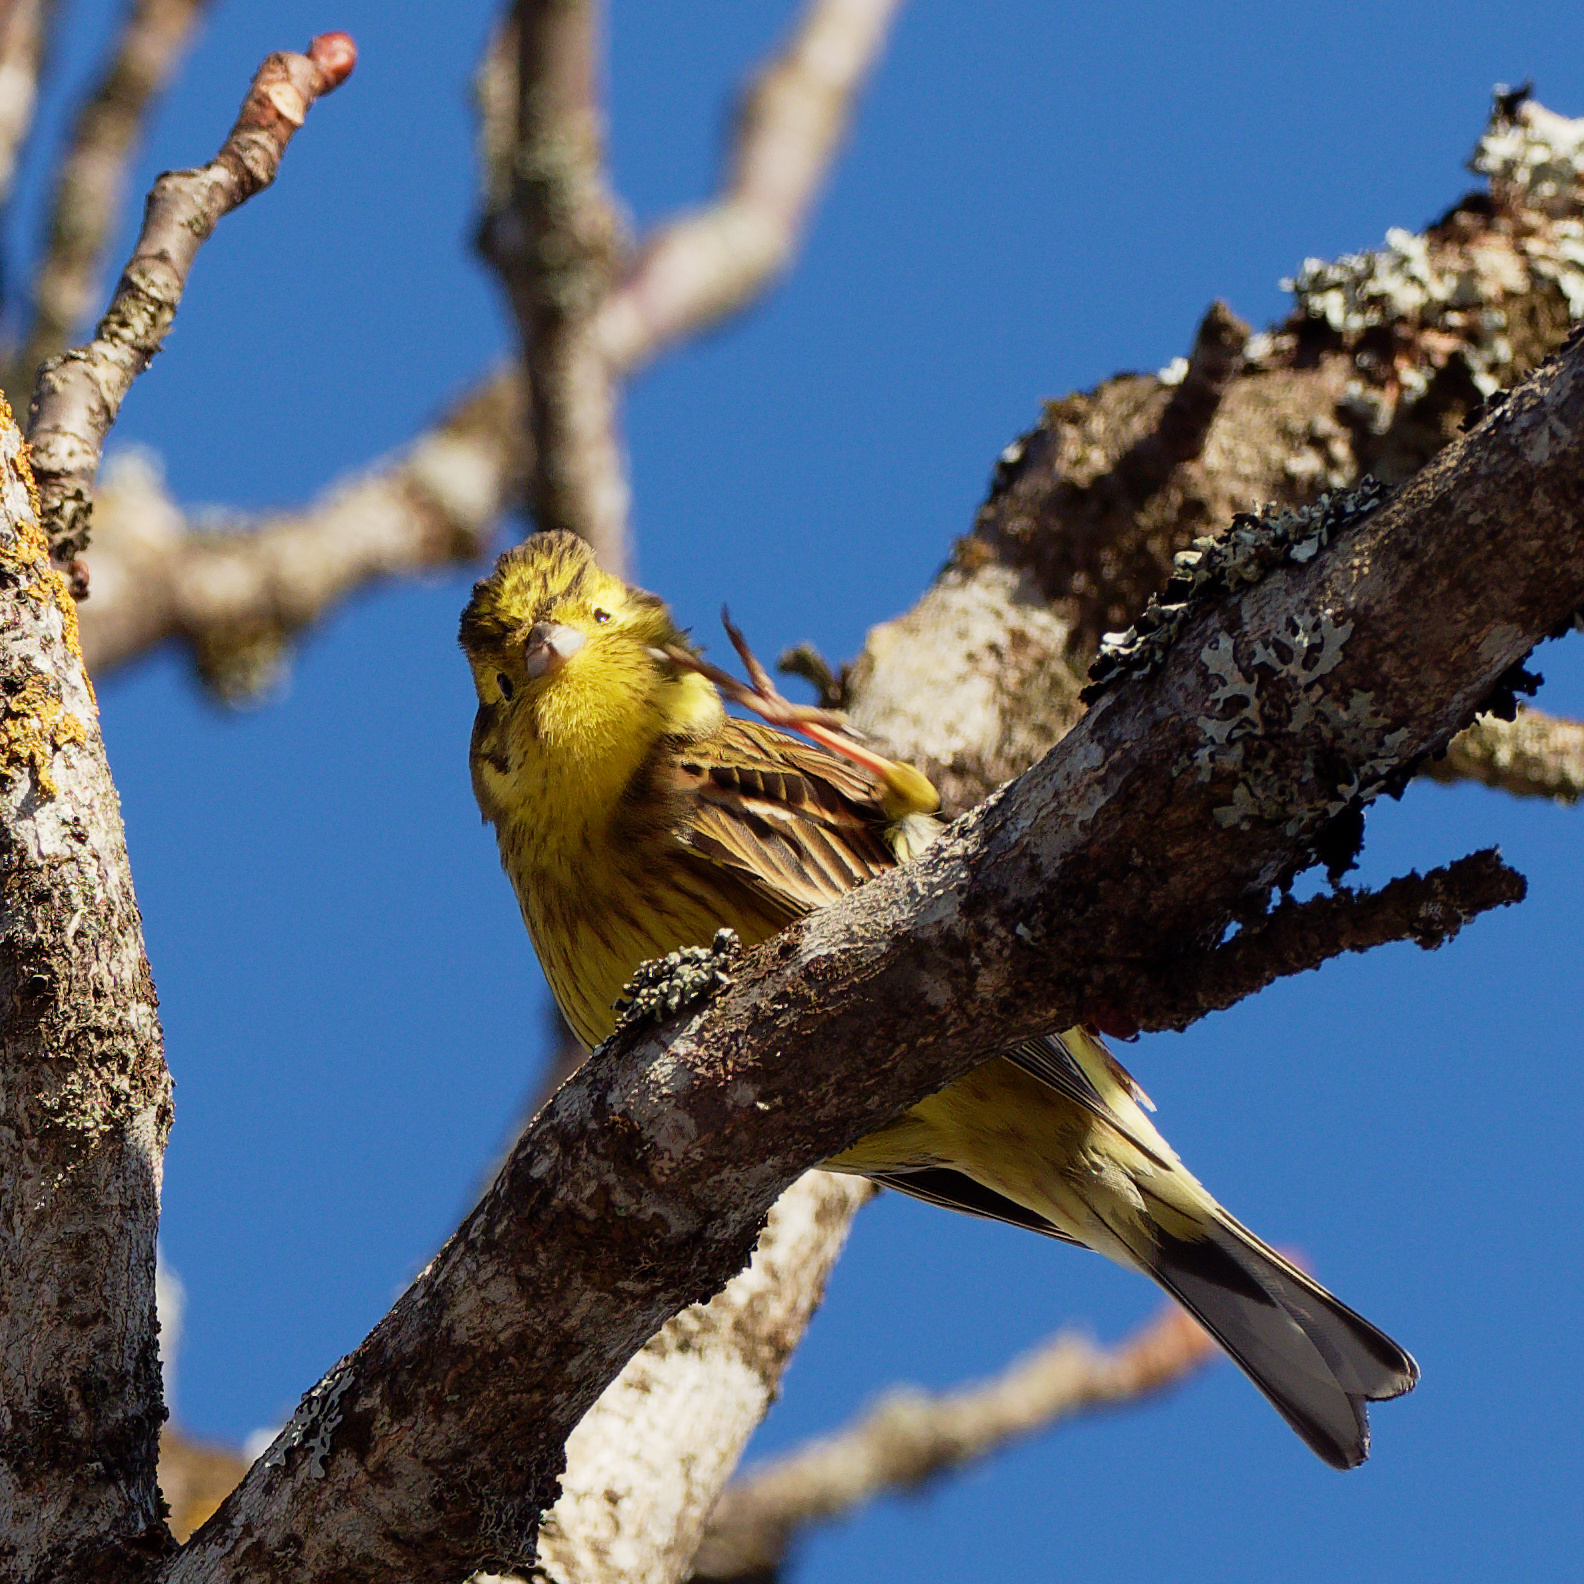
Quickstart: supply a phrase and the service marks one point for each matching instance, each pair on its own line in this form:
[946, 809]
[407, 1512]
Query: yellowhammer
[635, 816]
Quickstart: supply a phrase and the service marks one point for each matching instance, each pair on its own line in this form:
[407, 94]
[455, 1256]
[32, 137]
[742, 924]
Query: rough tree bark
[85, 1104]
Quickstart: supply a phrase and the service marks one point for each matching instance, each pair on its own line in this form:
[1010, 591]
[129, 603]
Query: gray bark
[85, 1105]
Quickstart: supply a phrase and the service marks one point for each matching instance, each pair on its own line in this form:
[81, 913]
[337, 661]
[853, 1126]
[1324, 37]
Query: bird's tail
[1315, 1359]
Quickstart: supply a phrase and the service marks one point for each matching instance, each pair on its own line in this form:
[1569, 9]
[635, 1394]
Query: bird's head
[567, 654]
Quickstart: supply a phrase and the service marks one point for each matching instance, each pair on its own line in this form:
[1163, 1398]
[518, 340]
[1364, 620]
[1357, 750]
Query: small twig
[556, 246]
[1426, 909]
[804, 660]
[1216, 359]
[1535, 755]
[80, 393]
[90, 189]
[704, 266]
[24, 33]
[911, 1437]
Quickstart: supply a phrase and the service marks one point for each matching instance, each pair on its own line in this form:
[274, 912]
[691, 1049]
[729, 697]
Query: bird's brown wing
[778, 822]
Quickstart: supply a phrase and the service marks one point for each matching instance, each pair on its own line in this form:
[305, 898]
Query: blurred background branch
[90, 191]
[24, 38]
[910, 1438]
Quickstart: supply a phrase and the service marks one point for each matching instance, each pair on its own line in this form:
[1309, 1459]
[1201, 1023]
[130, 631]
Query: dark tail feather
[1316, 1360]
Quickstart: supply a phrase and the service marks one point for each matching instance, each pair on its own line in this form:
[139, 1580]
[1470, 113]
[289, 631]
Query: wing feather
[795, 825]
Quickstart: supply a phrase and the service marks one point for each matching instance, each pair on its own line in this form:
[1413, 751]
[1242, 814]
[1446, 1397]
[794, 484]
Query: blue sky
[1036, 196]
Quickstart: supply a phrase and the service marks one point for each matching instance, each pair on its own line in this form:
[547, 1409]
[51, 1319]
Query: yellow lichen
[29, 547]
[35, 727]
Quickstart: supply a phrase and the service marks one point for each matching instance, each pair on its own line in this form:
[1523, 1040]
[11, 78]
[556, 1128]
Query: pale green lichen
[1535, 162]
[1402, 283]
[663, 986]
[1533, 153]
[1258, 711]
[1255, 543]
[315, 1422]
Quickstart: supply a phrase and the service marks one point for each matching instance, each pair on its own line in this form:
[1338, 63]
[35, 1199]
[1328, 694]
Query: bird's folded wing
[796, 825]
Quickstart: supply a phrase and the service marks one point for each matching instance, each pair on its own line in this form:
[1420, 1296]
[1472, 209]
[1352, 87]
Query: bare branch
[1536, 755]
[1385, 355]
[1298, 936]
[80, 393]
[85, 1104]
[556, 248]
[90, 190]
[558, 245]
[911, 1437]
[237, 602]
[640, 1187]
[24, 33]
[698, 269]
[237, 598]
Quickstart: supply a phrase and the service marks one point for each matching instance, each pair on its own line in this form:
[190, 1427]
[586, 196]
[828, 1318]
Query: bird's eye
[601, 617]
[504, 683]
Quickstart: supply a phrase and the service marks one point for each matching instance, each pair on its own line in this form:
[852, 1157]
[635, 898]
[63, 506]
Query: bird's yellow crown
[583, 717]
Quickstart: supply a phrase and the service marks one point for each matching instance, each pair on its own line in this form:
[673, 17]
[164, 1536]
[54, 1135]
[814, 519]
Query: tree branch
[85, 1104]
[631, 1511]
[699, 268]
[24, 35]
[909, 1438]
[1175, 802]
[1535, 755]
[80, 393]
[555, 239]
[1299, 936]
[90, 189]
[238, 598]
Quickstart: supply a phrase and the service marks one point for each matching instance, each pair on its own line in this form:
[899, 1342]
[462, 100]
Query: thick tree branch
[84, 1105]
[80, 393]
[912, 1437]
[1176, 802]
[1535, 755]
[1385, 355]
[90, 189]
[702, 267]
[632, 1510]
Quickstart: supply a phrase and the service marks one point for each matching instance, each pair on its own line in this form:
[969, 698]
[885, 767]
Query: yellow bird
[635, 816]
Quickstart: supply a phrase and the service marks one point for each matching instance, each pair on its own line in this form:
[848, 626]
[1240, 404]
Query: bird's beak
[549, 646]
